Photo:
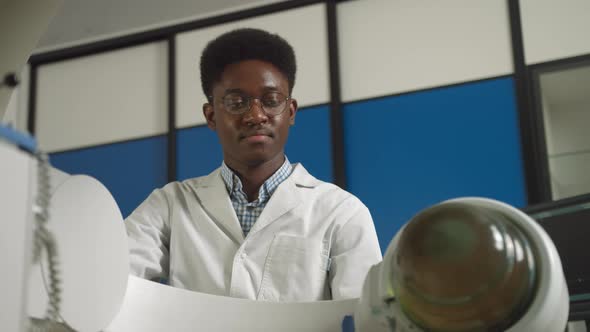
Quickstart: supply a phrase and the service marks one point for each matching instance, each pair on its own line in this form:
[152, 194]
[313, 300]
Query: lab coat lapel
[286, 197]
[216, 202]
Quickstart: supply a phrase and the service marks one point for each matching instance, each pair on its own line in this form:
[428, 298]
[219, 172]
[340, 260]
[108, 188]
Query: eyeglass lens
[273, 103]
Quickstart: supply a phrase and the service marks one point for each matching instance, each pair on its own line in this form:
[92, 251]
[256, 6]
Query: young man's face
[253, 137]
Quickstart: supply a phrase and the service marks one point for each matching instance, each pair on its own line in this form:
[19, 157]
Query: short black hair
[245, 44]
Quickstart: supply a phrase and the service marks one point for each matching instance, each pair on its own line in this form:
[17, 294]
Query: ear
[292, 111]
[209, 114]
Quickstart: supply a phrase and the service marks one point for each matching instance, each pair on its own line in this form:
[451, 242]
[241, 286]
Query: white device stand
[17, 182]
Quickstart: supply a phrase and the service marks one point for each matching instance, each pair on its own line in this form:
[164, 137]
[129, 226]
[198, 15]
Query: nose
[255, 114]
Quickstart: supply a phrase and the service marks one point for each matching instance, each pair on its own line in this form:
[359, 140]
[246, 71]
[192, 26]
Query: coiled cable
[44, 240]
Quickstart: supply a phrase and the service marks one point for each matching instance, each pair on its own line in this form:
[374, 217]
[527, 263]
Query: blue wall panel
[199, 151]
[131, 170]
[407, 152]
[310, 142]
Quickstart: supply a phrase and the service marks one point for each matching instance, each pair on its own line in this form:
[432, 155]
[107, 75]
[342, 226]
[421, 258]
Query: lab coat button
[243, 255]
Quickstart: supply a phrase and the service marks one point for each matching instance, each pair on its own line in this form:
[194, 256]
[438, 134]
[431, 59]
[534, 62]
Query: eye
[272, 99]
[235, 101]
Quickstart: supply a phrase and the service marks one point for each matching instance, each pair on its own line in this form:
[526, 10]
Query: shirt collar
[234, 184]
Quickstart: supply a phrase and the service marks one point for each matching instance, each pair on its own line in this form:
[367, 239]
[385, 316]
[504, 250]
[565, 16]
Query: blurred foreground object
[64, 242]
[468, 264]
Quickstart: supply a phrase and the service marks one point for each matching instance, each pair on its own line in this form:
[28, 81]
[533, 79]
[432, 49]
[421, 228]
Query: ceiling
[79, 21]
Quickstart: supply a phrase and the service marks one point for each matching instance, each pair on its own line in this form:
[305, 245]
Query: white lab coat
[313, 240]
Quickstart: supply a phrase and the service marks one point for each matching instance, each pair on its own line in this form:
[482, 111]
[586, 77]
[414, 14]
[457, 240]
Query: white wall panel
[555, 29]
[103, 98]
[304, 28]
[389, 47]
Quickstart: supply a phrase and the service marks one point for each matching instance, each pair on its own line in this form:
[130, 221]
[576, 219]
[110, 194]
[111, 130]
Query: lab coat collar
[302, 178]
[289, 194]
[213, 195]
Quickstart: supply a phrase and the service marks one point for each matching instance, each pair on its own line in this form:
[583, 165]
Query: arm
[148, 231]
[355, 248]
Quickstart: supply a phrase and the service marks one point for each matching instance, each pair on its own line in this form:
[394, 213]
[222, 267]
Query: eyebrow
[228, 91]
[265, 89]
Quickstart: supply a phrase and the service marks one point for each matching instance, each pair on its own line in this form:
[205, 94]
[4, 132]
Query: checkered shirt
[248, 212]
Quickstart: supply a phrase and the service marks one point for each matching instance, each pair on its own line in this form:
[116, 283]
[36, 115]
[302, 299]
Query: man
[258, 227]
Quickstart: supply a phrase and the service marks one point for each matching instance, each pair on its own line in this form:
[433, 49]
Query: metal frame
[32, 103]
[557, 205]
[533, 145]
[531, 122]
[336, 117]
[528, 96]
[171, 139]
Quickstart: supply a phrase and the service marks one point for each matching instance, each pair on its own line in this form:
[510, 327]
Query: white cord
[44, 239]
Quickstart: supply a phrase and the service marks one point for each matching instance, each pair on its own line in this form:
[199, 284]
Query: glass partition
[563, 94]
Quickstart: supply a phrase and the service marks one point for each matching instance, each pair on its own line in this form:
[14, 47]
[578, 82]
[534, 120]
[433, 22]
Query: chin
[255, 158]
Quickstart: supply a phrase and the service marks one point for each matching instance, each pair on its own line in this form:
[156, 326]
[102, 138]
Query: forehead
[252, 77]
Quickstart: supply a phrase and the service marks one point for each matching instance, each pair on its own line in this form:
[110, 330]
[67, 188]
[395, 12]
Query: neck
[254, 175]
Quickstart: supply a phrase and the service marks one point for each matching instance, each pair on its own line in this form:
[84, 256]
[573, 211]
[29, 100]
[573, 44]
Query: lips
[256, 133]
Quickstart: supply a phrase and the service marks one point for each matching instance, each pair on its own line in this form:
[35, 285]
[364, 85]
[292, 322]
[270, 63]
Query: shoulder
[324, 191]
[191, 183]
[172, 190]
[165, 198]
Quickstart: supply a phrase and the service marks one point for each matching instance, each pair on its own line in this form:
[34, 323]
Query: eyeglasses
[273, 103]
